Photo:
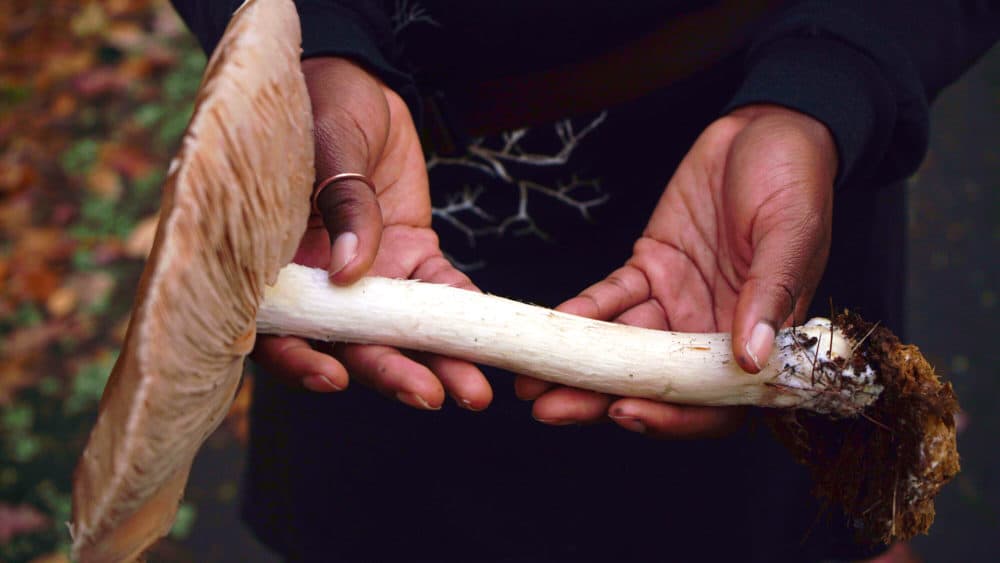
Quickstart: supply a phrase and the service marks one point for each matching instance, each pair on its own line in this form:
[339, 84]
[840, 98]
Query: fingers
[649, 314]
[294, 361]
[666, 421]
[462, 381]
[528, 388]
[391, 373]
[566, 405]
[421, 381]
[353, 219]
[605, 300]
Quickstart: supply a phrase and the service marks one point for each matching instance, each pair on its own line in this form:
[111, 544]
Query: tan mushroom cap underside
[235, 205]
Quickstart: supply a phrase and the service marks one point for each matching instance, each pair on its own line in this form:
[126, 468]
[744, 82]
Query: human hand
[738, 242]
[364, 127]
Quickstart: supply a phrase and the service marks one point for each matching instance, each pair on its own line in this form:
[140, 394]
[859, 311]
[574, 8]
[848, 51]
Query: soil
[884, 467]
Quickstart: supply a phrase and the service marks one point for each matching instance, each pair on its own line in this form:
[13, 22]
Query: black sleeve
[360, 30]
[868, 69]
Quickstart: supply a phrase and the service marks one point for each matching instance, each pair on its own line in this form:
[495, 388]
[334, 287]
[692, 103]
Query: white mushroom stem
[808, 368]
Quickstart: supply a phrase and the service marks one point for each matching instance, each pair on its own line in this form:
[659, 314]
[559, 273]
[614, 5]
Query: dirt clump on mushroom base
[884, 467]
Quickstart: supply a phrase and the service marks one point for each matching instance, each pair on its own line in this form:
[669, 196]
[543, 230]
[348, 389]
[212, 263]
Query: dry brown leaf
[92, 287]
[15, 214]
[37, 284]
[20, 519]
[91, 20]
[128, 160]
[62, 302]
[15, 176]
[99, 82]
[140, 241]
[13, 378]
[63, 106]
[55, 557]
[126, 35]
[105, 182]
[238, 417]
[28, 343]
[38, 242]
[60, 67]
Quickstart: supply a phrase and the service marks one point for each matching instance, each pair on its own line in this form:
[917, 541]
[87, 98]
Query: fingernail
[320, 384]
[760, 342]
[629, 423]
[467, 404]
[415, 401]
[555, 421]
[344, 250]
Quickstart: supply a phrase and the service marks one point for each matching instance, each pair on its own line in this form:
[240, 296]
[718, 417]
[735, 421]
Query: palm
[687, 258]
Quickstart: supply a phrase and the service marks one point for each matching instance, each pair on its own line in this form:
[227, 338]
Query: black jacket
[353, 475]
[866, 69]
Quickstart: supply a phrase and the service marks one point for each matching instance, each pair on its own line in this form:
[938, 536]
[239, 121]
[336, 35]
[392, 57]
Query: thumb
[350, 212]
[786, 266]
[351, 126]
[780, 176]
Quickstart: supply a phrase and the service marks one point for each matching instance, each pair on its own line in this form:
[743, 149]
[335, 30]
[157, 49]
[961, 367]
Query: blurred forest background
[94, 97]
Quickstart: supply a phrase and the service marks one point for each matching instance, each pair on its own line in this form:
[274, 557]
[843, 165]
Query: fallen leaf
[92, 288]
[37, 283]
[91, 20]
[39, 242]
[136, 68]
[62, 302]
[56, 557]
[238, 417]
[20, 519]
[126, 35]
[130, 161]
[105, 182]
[63, 106]
[140, 242]
[98, 82]
[13, 378]
[15, 214]
[58, 68]
[16, 176]
[28, 343]
[62, 214]
[107, 252]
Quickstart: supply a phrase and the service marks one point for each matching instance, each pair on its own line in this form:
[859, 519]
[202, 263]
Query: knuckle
[344, 200]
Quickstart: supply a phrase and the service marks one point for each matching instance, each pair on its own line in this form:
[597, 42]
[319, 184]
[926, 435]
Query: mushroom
[234, 208]
[867, 414]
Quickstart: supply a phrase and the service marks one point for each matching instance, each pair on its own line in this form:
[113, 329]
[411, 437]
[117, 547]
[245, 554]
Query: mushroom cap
[235, 205]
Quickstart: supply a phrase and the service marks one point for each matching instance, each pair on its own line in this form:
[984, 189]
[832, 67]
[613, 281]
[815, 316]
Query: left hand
[738, 242]
[361, 125]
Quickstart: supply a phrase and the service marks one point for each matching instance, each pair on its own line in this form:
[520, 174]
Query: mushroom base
[885, 466]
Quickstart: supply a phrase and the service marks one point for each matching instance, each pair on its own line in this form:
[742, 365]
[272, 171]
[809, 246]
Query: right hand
[737, 243]
[362, 126]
